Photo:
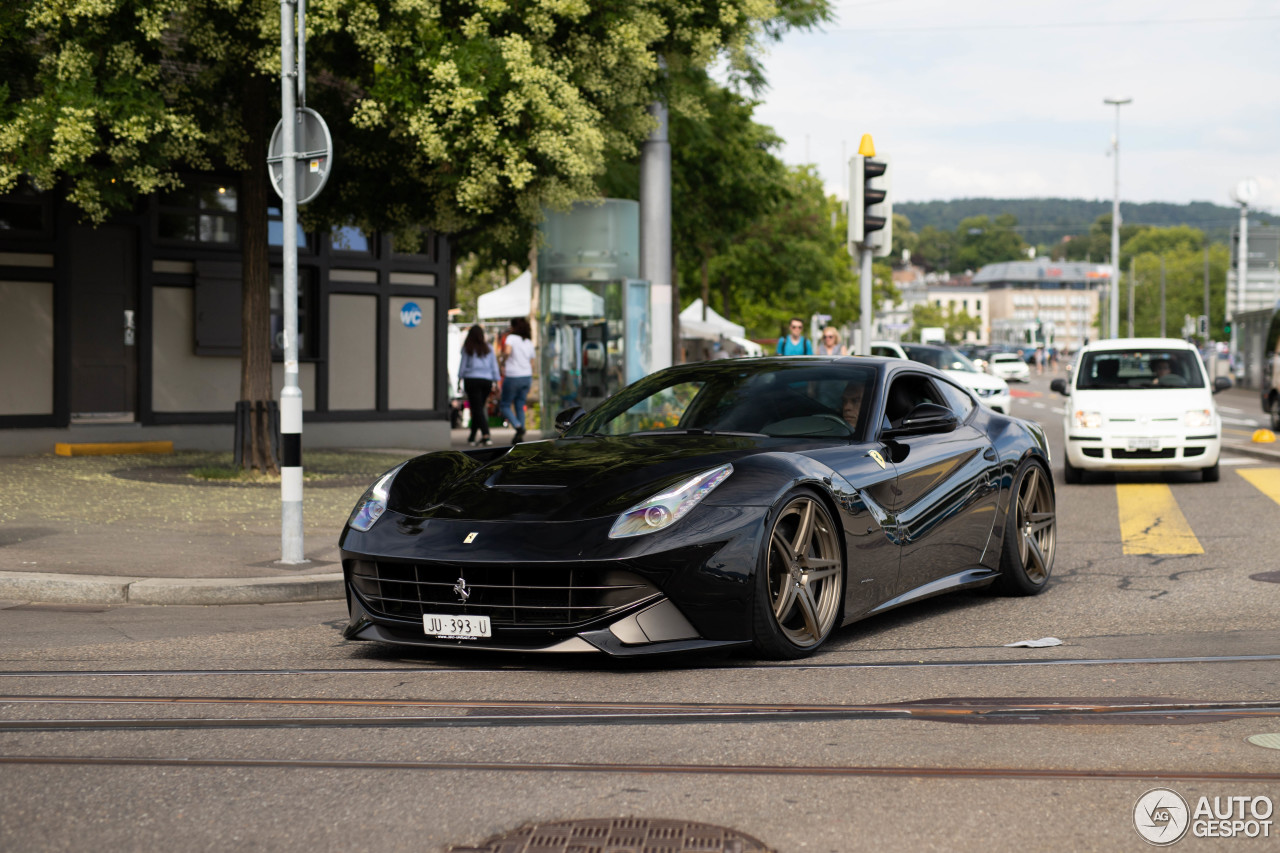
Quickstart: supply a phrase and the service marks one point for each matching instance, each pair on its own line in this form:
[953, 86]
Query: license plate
[1144, 444]
[458, 627]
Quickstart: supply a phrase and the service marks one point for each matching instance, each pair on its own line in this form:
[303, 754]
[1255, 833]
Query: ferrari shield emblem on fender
[879, 459]
[471, 537]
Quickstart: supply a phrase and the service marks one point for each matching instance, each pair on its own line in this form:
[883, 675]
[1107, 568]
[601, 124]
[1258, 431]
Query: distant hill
[1044, 221]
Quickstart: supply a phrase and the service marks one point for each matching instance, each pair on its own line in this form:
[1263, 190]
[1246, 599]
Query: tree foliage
[956, 324]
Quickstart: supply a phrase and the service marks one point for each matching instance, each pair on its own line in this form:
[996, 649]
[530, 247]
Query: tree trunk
[255, 307]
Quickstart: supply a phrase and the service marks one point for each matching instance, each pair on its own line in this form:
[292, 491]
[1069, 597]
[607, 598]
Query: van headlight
[669, 507]
[373, 503]
[1086, 420]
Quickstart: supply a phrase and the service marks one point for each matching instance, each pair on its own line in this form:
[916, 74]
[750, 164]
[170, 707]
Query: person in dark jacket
[478, 373]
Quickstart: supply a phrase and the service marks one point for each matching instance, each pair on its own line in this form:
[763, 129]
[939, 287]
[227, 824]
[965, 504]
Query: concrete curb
[103, 589]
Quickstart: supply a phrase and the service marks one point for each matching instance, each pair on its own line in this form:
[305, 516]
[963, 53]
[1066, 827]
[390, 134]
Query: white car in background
[992, 391]
[1009, 366]
[1140, 404]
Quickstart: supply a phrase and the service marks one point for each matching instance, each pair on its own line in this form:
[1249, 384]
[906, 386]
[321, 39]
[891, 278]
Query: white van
[1140, 404]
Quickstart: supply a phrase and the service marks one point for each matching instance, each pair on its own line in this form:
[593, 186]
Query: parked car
[1271, 371]
[1140, 404]
[991, 390]
[761, 503]
[1008, 366]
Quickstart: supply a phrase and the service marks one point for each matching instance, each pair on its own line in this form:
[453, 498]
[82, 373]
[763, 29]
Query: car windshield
[943, 358]
[1006, 357]
[1139, 368]
[825, 400]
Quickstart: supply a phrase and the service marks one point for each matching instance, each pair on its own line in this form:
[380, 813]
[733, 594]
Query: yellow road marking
[1151, 523]
[1265, 480]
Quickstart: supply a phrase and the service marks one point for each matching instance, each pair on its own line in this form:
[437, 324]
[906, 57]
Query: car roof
[1137, 343]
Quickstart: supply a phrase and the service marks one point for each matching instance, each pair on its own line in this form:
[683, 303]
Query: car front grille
[530, 596]
[1167, 453]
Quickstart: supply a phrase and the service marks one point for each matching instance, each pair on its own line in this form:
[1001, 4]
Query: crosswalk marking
[1265, 480]
[1152, 523]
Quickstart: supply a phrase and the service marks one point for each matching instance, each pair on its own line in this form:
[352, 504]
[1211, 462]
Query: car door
[946, 491]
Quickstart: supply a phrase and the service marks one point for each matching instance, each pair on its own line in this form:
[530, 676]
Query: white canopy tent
[516, 299]
[714, 328]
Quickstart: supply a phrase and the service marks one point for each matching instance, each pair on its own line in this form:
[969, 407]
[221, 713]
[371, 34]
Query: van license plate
[1144, 444]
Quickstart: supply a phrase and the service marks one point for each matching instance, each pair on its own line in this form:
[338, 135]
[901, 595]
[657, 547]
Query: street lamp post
[1114, 319]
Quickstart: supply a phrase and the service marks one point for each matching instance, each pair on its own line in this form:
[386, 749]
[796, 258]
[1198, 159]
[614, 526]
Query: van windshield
[1140, 368]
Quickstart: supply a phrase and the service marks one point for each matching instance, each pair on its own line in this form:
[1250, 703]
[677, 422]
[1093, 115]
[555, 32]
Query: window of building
[418, 243]
[275, 231]
[204, 211]
[306, 313]
[350, 240]
[26, 213]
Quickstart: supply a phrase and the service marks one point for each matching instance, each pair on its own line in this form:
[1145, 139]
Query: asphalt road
[258, 728]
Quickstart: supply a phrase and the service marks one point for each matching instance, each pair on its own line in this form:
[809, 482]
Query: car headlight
[669, 507]
[373, 503]
[1086, 420]
[1198, 418]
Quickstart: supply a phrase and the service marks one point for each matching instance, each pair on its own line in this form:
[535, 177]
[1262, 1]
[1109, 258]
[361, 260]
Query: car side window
[885, 352]
[908, 391]
[958, 400]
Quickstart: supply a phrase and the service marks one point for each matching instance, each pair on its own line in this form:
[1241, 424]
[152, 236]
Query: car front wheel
[799, 580]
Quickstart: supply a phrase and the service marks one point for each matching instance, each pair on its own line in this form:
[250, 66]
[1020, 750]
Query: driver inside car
[851, 402]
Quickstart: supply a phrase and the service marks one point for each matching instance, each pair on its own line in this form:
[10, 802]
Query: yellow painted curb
[1264, 436]
[111, 448]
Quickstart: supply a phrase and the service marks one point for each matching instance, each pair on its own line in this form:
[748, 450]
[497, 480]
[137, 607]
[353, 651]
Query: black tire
[1071, 475]
[1211, 474]
[799, 583]
[1030, 533]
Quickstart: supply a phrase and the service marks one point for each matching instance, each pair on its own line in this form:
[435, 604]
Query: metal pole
[655, 237]
[1132, 280]
[1242, 278]
[1162, 311]
[864, 285]
[290, 394]
[1115, 222]
[302, 53]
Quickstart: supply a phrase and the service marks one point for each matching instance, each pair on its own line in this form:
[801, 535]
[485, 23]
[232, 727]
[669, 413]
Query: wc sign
[410, 315]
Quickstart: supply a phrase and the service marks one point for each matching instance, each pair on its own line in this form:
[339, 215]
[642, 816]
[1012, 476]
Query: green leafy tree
[1184, 289]
[465, 118]
[935, 249]
[955, 323]
[981, 240]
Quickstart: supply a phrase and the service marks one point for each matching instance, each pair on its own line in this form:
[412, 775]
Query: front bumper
[1190, 451]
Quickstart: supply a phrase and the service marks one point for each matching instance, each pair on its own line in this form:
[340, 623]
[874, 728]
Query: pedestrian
[795, 343]
[478, 374]
[830, 343]
[518, 375]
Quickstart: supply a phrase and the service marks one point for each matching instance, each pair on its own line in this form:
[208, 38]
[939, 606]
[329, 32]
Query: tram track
[993, 773]
[458, 713]
[795, 667]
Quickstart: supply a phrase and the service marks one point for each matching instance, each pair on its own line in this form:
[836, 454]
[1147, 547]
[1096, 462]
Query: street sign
[314, 155]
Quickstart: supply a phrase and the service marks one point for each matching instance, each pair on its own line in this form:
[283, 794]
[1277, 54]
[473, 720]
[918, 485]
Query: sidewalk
[139, 529]
[114, 530]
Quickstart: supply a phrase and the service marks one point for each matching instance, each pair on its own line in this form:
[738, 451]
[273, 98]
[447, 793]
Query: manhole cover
[620, 835]
[1270, 740]
[1266, 577]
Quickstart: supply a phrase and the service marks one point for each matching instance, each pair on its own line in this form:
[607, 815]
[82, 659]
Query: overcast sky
[1004, 98]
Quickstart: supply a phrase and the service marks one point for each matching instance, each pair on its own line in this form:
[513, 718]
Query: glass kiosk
[593, 310]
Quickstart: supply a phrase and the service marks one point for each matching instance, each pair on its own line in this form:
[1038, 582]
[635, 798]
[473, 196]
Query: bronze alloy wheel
[805, 573]
[1036, 530]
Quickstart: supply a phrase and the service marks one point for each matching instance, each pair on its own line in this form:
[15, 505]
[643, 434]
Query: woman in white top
[518, 375]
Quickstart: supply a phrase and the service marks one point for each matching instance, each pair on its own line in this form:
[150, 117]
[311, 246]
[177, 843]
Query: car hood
[984, 381]
[1149, 403]
[558, 480]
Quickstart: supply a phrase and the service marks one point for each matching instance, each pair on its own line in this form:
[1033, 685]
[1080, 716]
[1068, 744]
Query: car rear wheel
[1030, 533]
[1211, 474]
[799, 580]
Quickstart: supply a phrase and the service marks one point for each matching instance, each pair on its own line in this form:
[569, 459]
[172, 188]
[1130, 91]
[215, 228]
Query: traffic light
[870, 206]
[1226, 330]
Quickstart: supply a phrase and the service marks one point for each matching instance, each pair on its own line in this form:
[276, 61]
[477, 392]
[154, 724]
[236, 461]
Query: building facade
[131, 330]
[1041, 301]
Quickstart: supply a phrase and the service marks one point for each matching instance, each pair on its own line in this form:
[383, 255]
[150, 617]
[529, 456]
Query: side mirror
[1222, 383]
[569, 417]
[1059, 385]
[926, 418]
